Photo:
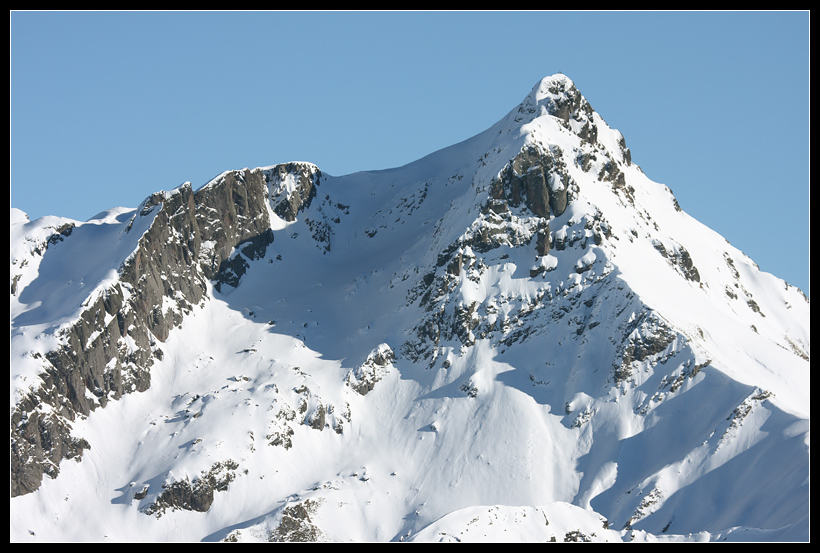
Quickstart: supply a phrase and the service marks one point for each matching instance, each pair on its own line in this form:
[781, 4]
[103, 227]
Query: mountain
[520, 337]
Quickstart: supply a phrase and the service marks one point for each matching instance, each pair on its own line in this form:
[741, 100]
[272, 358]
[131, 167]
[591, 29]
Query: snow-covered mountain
[519, 337]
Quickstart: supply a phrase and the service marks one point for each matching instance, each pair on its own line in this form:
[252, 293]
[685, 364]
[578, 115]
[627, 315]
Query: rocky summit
[520, 337]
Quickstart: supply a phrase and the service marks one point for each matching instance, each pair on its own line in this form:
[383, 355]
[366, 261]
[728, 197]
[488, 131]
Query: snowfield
[404, 364]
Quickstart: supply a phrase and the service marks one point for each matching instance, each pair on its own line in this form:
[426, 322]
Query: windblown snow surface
[531, 417]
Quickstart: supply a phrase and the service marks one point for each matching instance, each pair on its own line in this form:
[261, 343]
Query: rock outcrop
[193, 495]
[195, 236]
[292, 187]
[364, 378]
[536, 178]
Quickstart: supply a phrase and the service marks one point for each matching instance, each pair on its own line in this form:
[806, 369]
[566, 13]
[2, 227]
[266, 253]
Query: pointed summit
[522, 319]
[557, 93]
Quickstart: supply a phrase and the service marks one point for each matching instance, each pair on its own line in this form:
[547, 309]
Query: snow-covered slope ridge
[520, 337]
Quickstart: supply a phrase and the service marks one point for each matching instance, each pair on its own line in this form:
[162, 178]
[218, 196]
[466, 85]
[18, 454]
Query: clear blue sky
[107, 107]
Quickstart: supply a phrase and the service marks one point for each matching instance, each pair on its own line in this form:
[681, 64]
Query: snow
[55, 288]
[515, 437]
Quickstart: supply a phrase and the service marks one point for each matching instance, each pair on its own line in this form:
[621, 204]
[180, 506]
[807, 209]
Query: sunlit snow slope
[520, 337]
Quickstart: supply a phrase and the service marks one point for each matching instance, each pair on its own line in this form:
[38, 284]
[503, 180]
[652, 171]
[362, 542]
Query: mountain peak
[556, 95]
[521, 319]
[555, 113]
[552, 85]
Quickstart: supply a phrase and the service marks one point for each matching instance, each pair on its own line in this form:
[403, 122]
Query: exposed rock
[684, 261]
[196, 495]
[232, 269]
[627, 155]
[282, 433]
[610, 171]
[542, 243]
[469, 388]
[142, 494]
[42, 441]
[648, 505]
[292, 187]
[382, 355]
[680, 259]
[296, 526]
[364, 378]
[536, 178]
[754, 307]
[577, 536]
[191, 238]
[566, 103]
[688, 371]
[62, 232]
[316, 419]
[645, 336]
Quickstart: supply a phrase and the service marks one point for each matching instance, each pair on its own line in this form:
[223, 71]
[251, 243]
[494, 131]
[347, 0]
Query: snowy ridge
[52, 296]
[520, 337]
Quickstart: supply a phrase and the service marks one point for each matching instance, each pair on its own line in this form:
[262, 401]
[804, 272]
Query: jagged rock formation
[536, 178]
[365, 377]
[295, 525]
[196, 495]
[292, 187]
[210, 234]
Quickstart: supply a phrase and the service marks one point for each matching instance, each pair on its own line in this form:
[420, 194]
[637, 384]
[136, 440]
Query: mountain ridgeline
[110, 349]
[522, 319]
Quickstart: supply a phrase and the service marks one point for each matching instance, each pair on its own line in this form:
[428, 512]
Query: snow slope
[405, 364]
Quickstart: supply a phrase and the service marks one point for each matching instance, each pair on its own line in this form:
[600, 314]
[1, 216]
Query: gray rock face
[196, 495]
[232, 269]
[296, 525]
[569, 102]
[536, 179]
[644, 337]
[364, 378]
[680, 259]
[193, 238]
[292, 187]
[532, 188]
